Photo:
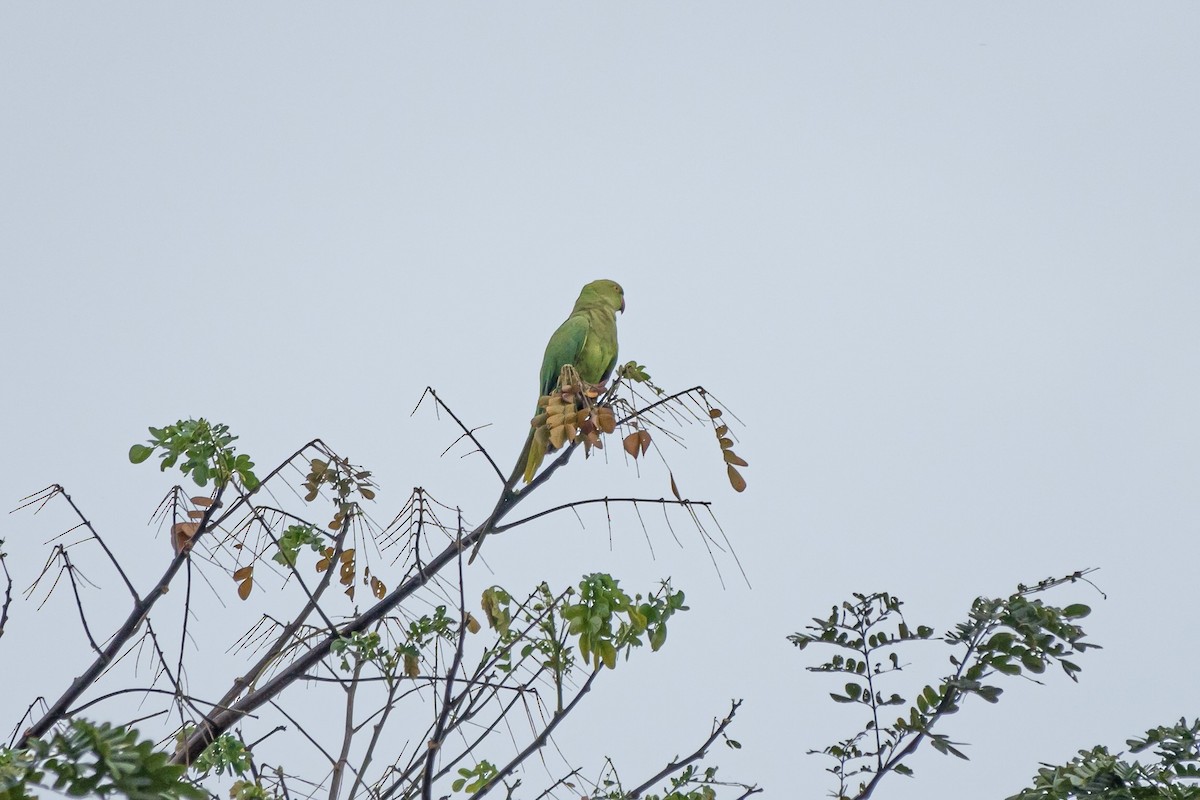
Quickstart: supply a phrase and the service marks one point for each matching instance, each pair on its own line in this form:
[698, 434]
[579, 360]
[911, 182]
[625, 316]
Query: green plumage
[587, 340]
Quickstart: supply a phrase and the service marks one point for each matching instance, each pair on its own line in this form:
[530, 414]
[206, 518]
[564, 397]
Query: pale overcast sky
[942, 259]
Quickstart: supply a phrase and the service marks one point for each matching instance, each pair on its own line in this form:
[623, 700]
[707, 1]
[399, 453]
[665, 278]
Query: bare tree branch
[8, 584]
[675, 766]
[468, 433]
[540, 741]
[140, 609]
[435, 741]
[577, 503]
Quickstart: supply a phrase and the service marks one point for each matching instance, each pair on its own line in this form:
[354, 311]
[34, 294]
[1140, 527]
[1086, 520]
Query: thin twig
[435, 741]
[539, 742]
[8, 584]
[700, 752]
[576, 503]
[140, 609]
[467, 432]
[335, 781]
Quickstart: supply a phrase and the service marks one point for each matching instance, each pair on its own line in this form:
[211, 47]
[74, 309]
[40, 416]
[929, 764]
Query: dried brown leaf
[245, 587]
[203, 502]
[243, 573]
[181, 535]
[733, 458]
[630, 443]
[736, 480]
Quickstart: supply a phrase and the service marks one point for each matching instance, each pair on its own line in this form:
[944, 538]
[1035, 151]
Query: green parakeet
[587, 340]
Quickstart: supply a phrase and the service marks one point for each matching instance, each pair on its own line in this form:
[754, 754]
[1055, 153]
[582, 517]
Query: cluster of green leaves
[473, 779]
[99, 760]
[496, 604]
[293, 539]
[548, 642]
[690, 783]
[368, 647]
[1012, 636]
[1098, 774]
[225, 754]
[633, 371]
[533, 626]
[207, 451]
[606, 619]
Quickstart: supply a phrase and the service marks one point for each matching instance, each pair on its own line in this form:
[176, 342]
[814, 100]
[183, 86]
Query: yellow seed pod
[558, 435]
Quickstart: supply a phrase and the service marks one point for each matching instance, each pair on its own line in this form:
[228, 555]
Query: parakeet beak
[622, 308]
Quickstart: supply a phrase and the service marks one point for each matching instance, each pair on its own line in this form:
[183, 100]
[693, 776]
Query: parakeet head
[602, 292]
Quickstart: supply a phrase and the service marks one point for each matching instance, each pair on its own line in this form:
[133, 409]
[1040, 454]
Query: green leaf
[1033, 663]
[139, 453]
[1076, 611]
